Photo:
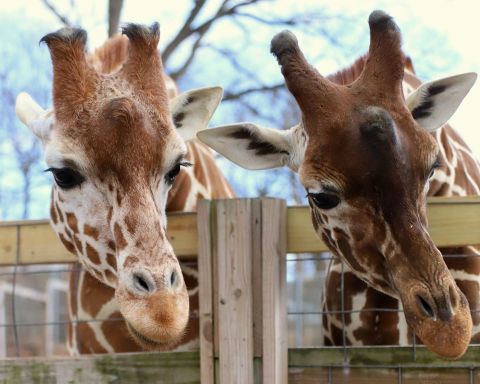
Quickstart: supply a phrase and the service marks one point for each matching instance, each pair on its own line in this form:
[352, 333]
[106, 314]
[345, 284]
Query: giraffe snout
[154, 301]
[440, 316]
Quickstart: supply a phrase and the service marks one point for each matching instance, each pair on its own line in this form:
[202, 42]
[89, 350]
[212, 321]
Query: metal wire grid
[18, 270]
[400, 372]
[343, 312]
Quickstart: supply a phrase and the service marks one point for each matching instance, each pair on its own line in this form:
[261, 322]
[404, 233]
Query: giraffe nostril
[425, 307]
[175, 279]
[142, 284]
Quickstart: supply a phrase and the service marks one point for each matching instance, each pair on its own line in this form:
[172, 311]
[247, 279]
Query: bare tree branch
[188, 30]
[175, 75]
[114, 11]
[229, 96]
[286, 22]
[184, 32]
[63, 19]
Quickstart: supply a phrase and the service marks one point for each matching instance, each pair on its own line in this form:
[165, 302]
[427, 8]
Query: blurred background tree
[204, 42]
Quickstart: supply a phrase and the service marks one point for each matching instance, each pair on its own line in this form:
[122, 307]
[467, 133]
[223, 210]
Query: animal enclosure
[260, 271]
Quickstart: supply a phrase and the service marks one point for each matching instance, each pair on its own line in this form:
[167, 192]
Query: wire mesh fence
[35, 316]
[34, 321]
[34, 309]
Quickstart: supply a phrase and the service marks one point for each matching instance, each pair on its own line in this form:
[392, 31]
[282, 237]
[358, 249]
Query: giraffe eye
[66, 178]
[324, 200]
[170, 176]
[435, 166]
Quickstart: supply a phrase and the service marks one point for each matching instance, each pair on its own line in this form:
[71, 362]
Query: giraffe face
[369, 207]
[114, 152]
[365, 156]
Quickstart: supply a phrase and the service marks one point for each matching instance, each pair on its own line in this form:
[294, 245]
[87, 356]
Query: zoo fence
[244, 248]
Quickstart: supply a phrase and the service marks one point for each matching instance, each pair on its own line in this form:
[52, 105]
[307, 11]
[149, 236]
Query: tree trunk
[114, 10]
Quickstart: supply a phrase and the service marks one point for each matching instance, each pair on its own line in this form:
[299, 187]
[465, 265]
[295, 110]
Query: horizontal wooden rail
[453, 221]
[38, 244]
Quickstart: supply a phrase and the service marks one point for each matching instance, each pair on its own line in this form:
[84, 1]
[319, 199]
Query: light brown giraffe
[365, 156]
[100, 327]
[115, 144]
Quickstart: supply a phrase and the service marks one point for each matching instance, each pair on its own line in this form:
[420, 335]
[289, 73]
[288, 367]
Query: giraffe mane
[110, 56]
[351, 73]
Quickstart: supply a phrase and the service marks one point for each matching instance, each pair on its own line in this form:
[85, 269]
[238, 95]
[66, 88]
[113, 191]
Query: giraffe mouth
[146, 341]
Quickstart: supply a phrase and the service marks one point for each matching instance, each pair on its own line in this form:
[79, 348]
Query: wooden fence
[241, 245]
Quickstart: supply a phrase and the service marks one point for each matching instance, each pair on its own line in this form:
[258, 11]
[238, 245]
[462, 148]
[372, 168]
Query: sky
[456, 20]
[452, 28]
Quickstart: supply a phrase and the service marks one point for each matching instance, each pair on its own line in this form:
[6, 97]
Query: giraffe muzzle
[155, 304]
[440, 318]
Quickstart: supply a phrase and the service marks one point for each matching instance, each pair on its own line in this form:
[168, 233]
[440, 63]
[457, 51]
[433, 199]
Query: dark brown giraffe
[373, 318]
[365, 155]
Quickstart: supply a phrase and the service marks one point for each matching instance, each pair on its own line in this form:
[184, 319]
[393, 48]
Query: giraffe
[115, 145]
[366, 157]
[367, 322]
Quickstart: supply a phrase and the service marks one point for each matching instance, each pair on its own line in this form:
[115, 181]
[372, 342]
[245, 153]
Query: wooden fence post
[242, 282]
[274, 291]
[205, 295]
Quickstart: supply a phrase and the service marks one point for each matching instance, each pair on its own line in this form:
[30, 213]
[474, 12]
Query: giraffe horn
[143, 67]
[311, 90]
[73, 78]
[386, 61]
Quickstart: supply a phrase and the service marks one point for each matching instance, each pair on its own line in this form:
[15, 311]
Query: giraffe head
[365, 156]
[114, 151]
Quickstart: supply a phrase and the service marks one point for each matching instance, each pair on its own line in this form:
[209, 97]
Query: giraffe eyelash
[170, 176]
[438, 164]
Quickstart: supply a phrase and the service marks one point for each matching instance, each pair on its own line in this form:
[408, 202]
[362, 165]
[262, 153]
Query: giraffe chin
[448, 339]
[149, 344]
[156, 321]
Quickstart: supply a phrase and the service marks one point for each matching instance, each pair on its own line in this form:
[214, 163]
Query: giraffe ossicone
[366, 157]
[115, 143]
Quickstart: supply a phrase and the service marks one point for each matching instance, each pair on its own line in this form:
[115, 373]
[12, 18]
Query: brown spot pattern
[119, 239]
[91, 232]
[67, 244]
[92, 254]
[72, 222]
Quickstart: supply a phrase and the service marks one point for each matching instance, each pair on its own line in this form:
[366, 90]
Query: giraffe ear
[192, 110]
[33, 116]
[254, 147]
[432, 104]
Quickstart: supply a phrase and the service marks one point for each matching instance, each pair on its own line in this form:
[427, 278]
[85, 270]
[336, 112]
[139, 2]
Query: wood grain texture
[274, 291]
[452, 221]
[205, 253]
[39, 243]
[257, 274]
[235, 309]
